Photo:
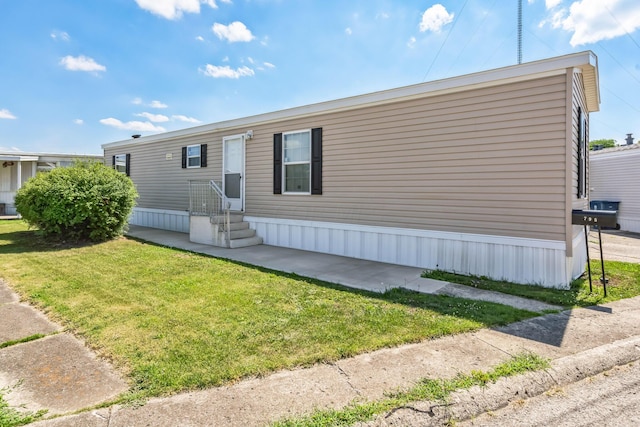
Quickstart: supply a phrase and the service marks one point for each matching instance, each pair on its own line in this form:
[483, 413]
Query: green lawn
[174, 321]
[623, 282]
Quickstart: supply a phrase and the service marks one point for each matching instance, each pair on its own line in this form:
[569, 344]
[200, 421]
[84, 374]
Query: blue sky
[76, 74]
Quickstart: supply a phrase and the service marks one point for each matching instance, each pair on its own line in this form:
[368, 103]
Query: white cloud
[173, 9]
[268, 65]
[593, 20]
[134, 125]
[382, 15]
[250, 59]
[81, 63]
[550, 4]
[157, 104]
[217, 71]
[60, 35]
[136, 101]
[200, 38]
[435, 18]
[186, 119]
[411, 43]
[156, 118]
[234, 32]
[78, 121]
[6, 114]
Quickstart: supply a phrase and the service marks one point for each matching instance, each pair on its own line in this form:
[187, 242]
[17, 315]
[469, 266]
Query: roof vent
[629, 139]
[136, 136]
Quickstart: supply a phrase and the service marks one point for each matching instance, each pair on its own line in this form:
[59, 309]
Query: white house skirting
[628, 223]
[160, 218]
[518, 260]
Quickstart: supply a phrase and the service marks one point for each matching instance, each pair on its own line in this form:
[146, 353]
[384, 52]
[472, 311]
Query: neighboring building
[615, 177]
[475, 174]
[17, 167]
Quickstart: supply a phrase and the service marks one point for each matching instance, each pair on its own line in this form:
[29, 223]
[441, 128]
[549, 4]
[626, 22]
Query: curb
[468, 404]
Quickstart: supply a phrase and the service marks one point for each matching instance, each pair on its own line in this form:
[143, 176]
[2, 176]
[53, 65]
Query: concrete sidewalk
[580, 343]
[59, 374]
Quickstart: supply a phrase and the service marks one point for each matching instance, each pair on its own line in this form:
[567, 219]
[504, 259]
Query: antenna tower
[519, 31]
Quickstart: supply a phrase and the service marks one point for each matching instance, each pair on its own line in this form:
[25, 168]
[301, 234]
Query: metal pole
[519, 31]
[586, 241]
[603, 279]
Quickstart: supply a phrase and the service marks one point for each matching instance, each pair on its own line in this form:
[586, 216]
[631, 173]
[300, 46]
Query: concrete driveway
[616, 246]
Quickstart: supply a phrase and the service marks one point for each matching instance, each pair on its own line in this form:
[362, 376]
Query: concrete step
[241, 234]
[233, 217]
[233, 226]
[247, 241]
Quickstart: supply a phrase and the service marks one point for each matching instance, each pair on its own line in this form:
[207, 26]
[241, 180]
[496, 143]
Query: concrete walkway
[58, 373]
[351, 272]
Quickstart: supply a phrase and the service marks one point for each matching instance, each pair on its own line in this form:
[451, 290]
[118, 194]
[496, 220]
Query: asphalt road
[608, 399]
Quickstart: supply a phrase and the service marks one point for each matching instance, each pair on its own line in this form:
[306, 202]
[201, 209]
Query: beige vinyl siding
[488, 161]
[162, 183]
[578, 101]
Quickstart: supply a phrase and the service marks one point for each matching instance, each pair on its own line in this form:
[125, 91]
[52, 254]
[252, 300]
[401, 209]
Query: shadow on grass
[18, 242]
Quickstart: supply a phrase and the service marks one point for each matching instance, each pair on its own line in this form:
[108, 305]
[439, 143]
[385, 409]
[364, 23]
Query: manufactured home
[615, 177]
[16, 167]
[476, 174]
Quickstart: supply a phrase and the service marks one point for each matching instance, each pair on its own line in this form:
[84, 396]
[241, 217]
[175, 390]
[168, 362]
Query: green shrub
[87, 201]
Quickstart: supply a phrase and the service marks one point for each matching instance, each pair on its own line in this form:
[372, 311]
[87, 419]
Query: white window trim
[285, 164]
[122, 158]
[193, 157]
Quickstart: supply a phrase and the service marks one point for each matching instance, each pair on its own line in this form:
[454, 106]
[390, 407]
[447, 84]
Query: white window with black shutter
[121, 163]
[194, 156]
[297, 162]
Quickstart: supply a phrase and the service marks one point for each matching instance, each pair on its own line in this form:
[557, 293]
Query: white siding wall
[519, 260]
[161, 218]
[615, 176]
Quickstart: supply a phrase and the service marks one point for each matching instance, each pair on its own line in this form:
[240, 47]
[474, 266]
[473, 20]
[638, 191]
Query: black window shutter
[277, 163]
[316, 161]
[113, 161]
[184, 157]
[203, 156]
[580, 154]
[127, 165]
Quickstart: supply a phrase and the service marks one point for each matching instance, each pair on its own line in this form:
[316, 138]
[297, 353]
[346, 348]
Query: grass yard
[174, 320]
[623, 282]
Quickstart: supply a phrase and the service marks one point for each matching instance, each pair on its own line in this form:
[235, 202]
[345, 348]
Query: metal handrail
[206, 198]
[226, 211]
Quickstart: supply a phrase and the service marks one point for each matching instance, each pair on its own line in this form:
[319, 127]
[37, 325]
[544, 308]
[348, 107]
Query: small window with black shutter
[121, 163]
[194, 156]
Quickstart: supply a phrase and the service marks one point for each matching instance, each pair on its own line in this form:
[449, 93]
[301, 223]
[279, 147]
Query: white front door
[233, 171]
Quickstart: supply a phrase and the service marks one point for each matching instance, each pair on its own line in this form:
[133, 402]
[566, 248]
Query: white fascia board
[18, 158]
[37, 156]
[500, 76]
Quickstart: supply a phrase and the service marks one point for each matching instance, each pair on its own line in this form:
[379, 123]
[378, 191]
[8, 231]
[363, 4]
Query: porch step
[242, 233]
[244, 242]
[233, 218]
[233, 226]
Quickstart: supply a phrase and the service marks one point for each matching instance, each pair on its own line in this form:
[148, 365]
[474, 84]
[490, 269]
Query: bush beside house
[87, 201]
